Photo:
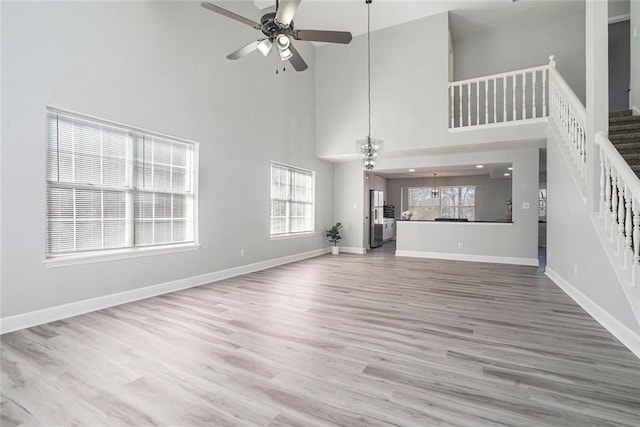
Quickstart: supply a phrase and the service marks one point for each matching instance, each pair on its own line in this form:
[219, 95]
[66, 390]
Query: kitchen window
[292, 200]
[113, 188]
[448, 202]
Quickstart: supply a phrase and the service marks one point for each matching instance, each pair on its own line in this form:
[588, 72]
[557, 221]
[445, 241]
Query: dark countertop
[496, 221]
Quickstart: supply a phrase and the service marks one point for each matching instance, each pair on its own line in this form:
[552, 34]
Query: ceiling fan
[279, 30]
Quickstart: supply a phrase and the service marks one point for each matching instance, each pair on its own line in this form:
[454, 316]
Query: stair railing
[570, 116]
[619, 205]
[499, 98]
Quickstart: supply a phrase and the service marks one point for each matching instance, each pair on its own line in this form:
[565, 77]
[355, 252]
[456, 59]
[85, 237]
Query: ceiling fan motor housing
[271, 29]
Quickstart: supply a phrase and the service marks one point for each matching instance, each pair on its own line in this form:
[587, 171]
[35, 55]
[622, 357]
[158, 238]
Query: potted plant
[333, 234]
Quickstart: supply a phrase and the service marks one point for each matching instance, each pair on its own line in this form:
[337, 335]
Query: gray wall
[409, 90]
[635, 55]
[351, 198]
[491, 194]
[159, 66]
[618, 8]
[527, 40]
[572, 242]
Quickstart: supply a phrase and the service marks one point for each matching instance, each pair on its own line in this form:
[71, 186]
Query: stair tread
[625, 128]
[624, 119]
[620, 113]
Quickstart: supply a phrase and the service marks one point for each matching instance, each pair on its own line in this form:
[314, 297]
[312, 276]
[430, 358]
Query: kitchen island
[499, 241]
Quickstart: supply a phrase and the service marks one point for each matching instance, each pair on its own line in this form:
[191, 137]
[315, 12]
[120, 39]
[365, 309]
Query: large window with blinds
[111, 187]
[292, 200]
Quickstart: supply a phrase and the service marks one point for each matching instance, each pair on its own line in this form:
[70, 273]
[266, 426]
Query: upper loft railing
[499, 98]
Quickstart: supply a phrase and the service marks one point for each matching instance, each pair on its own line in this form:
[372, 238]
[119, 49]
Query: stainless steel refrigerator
[376, 218]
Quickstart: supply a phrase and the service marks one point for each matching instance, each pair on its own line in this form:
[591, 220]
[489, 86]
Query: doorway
[619, 65]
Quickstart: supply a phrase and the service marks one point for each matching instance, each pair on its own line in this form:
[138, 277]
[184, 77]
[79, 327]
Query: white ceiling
[351, 15]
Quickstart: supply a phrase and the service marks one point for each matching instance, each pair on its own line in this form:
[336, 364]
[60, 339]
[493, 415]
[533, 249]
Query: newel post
[597, 92]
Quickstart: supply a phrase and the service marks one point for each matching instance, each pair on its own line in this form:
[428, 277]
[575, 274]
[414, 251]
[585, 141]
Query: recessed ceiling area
[494, 170]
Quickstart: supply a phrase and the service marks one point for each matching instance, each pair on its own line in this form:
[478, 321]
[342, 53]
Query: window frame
[130, 190]
[439, 206]
[290, 234]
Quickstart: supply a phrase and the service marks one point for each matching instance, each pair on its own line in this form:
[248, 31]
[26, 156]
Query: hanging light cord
[369, 61]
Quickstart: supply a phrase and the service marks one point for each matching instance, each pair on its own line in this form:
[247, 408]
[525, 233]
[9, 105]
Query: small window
[292, 200]
[112, 187]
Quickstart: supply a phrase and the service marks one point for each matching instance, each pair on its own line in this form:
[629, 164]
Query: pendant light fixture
[369, 148]
[434, 191]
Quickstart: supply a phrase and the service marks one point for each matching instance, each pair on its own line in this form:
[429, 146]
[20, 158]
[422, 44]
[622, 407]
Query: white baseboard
[51, 314]
[623, 333]
[470, 257]
[353, 250]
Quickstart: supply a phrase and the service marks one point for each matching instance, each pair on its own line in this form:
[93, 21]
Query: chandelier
[435, 192]
[369, 148]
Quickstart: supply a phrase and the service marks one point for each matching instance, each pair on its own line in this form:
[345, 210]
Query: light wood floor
[336, 340]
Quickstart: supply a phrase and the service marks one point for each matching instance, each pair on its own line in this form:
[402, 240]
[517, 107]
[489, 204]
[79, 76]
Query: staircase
[624, 133]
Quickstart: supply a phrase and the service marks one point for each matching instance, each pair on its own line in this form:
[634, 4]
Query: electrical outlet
[460, 245]
[526, 205]
[241, 252]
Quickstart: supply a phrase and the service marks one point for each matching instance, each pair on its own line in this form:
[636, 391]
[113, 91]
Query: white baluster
[635, 270]
[486, 101]
[607, 191]
[460, 102]
[603, 182]
[469, 104]
[453, 106]
[513, 80]
[620, 239]
[628, 230]
[524, 96]
[495, 115]
[504, 99]
[614, 205]
[533, 101]
[583, 141]
[544, 93]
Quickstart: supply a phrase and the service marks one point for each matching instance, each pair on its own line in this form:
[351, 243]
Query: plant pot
[335, 250]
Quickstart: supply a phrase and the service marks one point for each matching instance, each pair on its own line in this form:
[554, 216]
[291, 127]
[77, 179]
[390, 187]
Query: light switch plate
[526, 205]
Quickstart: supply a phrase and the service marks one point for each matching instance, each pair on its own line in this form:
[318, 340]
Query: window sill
[292, 235]
[84, 258]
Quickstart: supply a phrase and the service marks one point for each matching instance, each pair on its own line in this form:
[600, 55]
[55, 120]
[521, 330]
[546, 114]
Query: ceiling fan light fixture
[265, 47]
[285, 54]
[282, 41]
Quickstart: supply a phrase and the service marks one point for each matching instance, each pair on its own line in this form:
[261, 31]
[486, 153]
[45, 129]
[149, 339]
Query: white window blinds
[113, 187]
[292, 200]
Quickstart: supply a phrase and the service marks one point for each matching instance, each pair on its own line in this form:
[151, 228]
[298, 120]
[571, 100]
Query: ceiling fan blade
[244, 50]
[285, 12]
[229, 14]
[296, 60]
[323, 36]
